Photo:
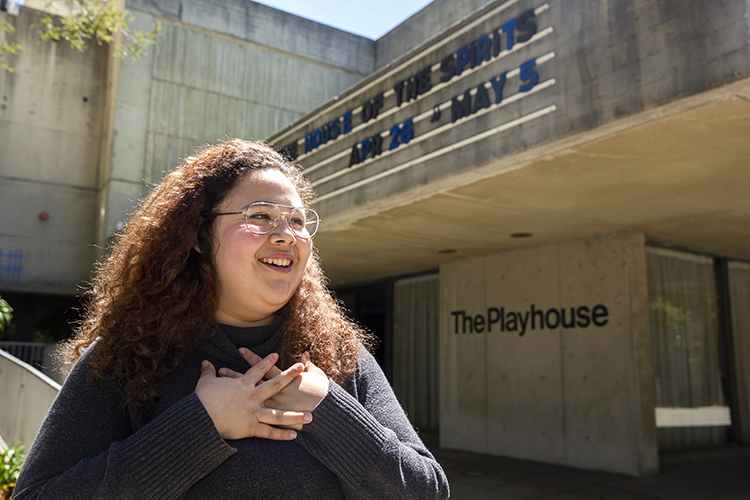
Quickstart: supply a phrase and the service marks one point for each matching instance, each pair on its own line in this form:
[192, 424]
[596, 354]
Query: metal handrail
[28, 352]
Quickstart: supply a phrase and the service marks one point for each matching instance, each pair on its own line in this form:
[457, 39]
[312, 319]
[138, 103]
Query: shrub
[11, 461]
[6, 315]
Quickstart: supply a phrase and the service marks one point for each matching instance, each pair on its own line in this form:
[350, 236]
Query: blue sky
[370, 18]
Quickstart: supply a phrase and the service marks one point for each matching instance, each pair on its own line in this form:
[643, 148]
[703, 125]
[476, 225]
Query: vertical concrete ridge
[642, 354]
[561, 337]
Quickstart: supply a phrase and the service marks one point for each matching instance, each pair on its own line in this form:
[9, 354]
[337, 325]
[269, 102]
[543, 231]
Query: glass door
[739, 300]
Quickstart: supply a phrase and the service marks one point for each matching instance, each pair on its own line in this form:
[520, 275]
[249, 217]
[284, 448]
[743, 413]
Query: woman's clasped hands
[273, 402]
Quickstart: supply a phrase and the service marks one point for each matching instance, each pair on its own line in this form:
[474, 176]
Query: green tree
[6, 316]
[7, 48]
[90, 21]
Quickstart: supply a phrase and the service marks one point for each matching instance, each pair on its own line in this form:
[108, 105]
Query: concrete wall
[220, 69]
[50, 133]
[420, 27]
[257, 23]
[580, 396]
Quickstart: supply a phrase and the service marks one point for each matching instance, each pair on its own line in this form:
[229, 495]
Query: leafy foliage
[89, 20]
[101, 22]
[6, 316]
[11, 461]
[7, 48]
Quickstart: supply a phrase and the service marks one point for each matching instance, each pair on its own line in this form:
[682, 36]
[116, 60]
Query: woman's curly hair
[154, 296]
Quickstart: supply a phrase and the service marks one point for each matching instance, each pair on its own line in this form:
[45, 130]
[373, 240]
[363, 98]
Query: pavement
[720, 473]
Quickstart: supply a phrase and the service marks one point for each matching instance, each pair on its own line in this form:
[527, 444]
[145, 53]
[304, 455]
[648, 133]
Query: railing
[37, 354]
[27, 395]
[28, 352]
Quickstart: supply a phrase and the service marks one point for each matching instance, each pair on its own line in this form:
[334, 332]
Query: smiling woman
[216, 270]
[253, 289]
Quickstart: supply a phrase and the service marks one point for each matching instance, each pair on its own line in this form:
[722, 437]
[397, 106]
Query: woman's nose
[283, 232]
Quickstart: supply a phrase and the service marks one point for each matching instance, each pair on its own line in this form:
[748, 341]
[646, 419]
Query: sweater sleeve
[86, 447]
[369, 443]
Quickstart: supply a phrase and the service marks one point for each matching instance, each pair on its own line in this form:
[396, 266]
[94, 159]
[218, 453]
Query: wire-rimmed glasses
[262, 217]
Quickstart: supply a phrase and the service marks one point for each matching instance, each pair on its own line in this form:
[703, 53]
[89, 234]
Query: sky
[370, 18]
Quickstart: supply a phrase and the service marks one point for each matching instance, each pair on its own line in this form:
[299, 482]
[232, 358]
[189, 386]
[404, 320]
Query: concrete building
[561, 187]
[539, 206]
[84, 136]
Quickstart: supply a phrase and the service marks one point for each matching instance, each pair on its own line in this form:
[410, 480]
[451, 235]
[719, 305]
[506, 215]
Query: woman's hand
[302, 394]
[236, 404]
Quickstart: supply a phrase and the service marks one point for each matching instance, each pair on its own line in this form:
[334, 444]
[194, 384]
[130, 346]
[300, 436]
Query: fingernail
[204, 364]
[243, 351]
[307, 417]
[292, 434]
[299, 367]
[274, 356]
[223, 371]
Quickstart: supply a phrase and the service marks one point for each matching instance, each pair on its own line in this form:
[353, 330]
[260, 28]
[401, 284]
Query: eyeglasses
[262, 217]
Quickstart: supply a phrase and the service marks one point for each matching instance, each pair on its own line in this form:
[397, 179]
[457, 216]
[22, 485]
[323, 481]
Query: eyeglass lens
[262, 218]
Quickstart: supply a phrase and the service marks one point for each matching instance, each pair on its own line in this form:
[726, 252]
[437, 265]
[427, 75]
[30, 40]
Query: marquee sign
[357, 137]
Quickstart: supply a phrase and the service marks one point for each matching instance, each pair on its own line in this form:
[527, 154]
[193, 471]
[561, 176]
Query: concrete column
[121, 176]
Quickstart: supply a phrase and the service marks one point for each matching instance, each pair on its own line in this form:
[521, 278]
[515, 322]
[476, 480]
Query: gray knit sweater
[359, 445]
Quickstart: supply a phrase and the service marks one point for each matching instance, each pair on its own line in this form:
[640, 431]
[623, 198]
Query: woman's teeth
[277, 262]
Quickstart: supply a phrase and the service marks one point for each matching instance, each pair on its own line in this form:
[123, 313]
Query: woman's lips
[278, 262]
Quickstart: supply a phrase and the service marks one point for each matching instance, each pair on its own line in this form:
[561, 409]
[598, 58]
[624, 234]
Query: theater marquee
[448, 94]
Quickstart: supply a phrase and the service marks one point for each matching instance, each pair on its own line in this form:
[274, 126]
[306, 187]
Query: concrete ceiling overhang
[678, 173]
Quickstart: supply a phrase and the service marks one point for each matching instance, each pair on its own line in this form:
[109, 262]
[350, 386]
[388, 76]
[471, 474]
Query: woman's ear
[197, 247]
